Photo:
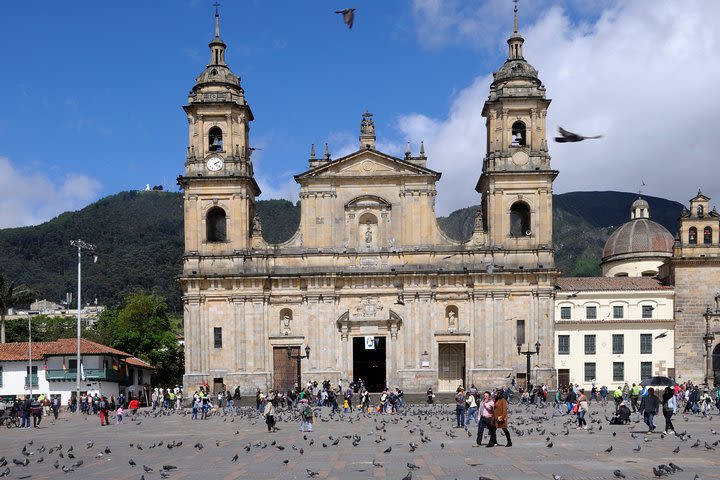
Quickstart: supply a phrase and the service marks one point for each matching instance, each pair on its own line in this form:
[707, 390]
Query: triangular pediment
[367, 163]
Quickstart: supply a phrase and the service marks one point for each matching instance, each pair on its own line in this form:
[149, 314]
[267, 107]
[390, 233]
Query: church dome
[516, 69]
[639, 238]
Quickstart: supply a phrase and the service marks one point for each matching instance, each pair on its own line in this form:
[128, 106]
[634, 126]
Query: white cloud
[645, 77]
[29, 198]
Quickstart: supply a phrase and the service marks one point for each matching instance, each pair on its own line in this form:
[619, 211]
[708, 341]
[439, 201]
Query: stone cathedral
[369, 281]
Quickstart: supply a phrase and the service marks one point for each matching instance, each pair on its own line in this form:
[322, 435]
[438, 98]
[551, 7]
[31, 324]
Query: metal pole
[79, 306]
[527, 375]
[30, 353]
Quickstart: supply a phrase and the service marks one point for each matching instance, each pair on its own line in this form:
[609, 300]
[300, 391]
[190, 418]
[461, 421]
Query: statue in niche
[452, 321]
[286, 324]
[368, 235]
[257, 225]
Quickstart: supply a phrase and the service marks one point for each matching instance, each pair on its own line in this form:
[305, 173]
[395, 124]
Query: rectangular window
[618, 344]
[217, 335]
[618, 371]
[645, 343]
[618, 311]
[591, 313]
[520, 332]
[563, 344]
[647, 311]
[565, 313]
[645, 370]
[589, 372]
[72, 364]
[589, 344]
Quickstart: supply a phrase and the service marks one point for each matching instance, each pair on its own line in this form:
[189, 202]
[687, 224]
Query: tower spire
[515, 41]
[515, 10]
[217, 20]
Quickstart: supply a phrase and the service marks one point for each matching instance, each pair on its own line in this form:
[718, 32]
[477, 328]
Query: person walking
[500, 418]
[306, 416]
[669, 405]
[649, 408]
[269, 413]
[618, 397]
[103, 407]
[56, 406]
[119, 415]
[36, 409]
[471, 409]
[26, 408]
[430, 396]
[486, 408]
[582, 409]
[460, 407]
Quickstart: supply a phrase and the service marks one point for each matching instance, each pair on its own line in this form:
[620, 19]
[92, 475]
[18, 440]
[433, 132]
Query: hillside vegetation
[139, 236]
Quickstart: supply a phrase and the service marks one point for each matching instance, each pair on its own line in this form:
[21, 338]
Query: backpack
[102, 404]
[307, 413]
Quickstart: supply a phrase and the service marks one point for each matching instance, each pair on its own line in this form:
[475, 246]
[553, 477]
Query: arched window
[519, 135]
[520, 220]
[216, 223]
[692, 236]
[707, 235]
[215, 139]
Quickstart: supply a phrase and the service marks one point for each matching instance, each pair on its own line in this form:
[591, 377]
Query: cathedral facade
[368, 287]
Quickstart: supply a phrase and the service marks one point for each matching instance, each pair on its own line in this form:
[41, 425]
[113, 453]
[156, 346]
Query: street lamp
[709, 338]
[29, 377]
[298, 358]
[528, 353]
[90, 250]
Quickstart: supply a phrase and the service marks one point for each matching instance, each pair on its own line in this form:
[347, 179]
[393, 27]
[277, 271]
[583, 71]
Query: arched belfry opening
[692, 236]
[216, 225]
[215, 139]
[707, 235]
[520, 220]
[519, 134]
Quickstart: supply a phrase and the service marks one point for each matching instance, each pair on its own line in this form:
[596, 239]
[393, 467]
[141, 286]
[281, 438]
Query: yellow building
[368, 282]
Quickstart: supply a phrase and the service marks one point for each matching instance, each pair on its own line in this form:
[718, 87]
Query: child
[195, 407]
[119, 414]
[346, 406]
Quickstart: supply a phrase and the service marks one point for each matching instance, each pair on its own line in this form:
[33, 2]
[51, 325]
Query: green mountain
[139, 239]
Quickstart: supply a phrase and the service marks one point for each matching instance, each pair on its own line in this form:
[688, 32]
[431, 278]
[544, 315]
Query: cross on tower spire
[217, 20]
[515, 10]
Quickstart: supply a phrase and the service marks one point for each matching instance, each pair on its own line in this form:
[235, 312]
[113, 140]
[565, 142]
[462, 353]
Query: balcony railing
[91, 374]
[34, 379]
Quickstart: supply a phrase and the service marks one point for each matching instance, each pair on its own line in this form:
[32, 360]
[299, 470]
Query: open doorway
[369, 362]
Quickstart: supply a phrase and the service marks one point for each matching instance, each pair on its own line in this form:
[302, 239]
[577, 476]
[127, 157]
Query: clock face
[214, 164]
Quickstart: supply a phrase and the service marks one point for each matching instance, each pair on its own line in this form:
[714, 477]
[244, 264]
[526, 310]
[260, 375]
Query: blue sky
[93, 90]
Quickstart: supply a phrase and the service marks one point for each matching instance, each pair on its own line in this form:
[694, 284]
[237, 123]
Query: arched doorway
[716, 364]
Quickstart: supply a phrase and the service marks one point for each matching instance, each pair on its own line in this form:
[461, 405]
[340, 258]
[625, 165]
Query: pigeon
[147, 469]
[311, 474]
[675, 467]
[636, 449]
[618, 474]
[408, 476]
[388, 450]
[132, 462]
[234, 459]
[348, 16]
[609, 449]
[570, 137]
[412, 466]
[377, 464]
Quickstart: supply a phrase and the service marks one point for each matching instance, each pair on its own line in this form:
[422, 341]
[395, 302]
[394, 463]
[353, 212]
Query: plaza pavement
[447, 455]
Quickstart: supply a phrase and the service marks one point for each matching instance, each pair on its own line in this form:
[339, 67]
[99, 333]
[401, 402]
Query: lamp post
[528, 353]
[91, 250]
[709, 338]
[298, 358]
[29, 377]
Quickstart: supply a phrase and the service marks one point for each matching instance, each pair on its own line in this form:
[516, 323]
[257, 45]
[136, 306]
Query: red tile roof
[580, 284]
[136, 362]
[64, 346]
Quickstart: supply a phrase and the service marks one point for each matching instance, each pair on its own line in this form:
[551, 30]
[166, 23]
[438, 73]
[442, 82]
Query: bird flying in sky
[348, 16]
[569, 137]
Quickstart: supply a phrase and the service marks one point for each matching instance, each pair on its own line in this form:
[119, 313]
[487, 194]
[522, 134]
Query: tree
[143, 328]
[11, 295]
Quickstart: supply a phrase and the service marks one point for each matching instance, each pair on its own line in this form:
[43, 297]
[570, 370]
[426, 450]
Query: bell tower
[516, 180]
[219, 185]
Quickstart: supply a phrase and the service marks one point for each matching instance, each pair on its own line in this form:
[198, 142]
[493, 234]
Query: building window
[692, 236]
[519, 220]
[707, 235]
[589, 344]
[645, 343]
[72, 365]
[618, 311]
[591, 313]
[563, 344]
[520, 332]
[618, 371]
[519, 134]
[647, 311]
[565, 313]
[589, 372]
[215, 139]
[216, 223]
[618, 344]
[1, 376]
[217, 336]
[140, 377]
[645, 370]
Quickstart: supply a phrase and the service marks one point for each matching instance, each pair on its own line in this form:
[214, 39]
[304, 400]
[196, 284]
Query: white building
[54, 370]
[619, 328]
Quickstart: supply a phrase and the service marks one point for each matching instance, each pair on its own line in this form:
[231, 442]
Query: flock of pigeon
[427, 426]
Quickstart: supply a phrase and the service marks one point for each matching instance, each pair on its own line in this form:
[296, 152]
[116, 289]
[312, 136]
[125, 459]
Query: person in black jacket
[649, 406]
[27, 407]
